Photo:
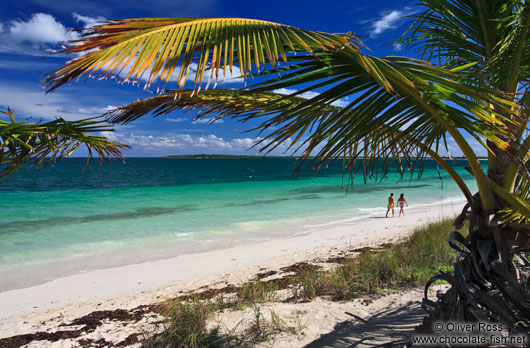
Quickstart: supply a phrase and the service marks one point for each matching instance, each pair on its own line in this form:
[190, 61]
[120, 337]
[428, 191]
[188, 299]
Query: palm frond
[22, 142]
[390, 91]
[152, 48]
[519, 212]
[309, 132]
[458, 32]
[518, 209]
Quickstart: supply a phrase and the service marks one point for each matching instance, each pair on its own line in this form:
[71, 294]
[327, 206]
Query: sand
[45, 307]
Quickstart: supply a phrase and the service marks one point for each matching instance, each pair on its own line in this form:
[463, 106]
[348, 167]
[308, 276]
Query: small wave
[250, 226]
[301, 233]
[373, 210]
[183, 234]
[340, 222]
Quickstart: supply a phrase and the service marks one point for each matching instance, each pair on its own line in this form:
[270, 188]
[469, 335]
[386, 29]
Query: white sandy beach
[45, 306]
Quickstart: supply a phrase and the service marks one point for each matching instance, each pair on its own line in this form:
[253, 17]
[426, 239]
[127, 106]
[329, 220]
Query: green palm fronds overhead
[475, 83]
[39, 143]
[152, 48]
[291, 117]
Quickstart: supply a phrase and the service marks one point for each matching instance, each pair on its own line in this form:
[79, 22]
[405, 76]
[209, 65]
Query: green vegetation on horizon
[224, 156]
[203, 155]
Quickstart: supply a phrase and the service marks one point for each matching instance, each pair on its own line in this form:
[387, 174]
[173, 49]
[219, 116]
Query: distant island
[225, 156]
[202, 155]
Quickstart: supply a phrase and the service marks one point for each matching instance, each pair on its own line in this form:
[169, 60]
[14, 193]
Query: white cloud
[166, 144]
[30, 101]
[310, 94]
[387, 21]
[207, 120]
[40, 28]
[39, 33]
[42, 32]
[210, 143]
[33, 36]
[87, 20]
[178, 119]
[398, 47]
[88, 111]
[229, 78]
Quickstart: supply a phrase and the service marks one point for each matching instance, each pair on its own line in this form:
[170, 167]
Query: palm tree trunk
[490, 279]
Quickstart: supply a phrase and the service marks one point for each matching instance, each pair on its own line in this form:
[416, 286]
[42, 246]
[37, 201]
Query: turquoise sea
[60, 221]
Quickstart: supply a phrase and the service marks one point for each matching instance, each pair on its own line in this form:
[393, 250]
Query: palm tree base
[490, 281]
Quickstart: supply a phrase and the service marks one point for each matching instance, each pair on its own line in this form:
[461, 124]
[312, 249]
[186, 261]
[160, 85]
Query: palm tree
[495, 36]
[398, 110]
[39, 143]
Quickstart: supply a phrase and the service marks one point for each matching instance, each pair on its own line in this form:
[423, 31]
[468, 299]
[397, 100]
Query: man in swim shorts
[390, 204]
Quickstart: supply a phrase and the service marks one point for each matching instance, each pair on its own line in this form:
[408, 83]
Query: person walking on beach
[401, 204]
[390, 205]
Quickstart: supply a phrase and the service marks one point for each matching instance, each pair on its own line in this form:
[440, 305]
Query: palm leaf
[381, 145]
[391, 90]
[22, 142]
[518, 209]
[152, 48]
[458, 32]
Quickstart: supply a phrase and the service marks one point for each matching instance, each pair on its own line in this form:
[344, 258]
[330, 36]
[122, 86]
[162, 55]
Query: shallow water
[58, 221]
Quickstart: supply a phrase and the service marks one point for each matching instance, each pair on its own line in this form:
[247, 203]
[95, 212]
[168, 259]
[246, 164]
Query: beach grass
[186, 327]
[370, 272]
[406, 264]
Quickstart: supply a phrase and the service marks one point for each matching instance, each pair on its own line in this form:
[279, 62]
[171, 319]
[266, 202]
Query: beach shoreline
[41, 307]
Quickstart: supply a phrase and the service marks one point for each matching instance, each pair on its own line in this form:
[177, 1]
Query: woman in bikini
[401, 204]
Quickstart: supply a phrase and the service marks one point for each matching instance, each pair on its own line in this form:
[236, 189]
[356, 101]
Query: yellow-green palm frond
[396, 92]
[23, 142]
[152, 48]
[309, 127]
[382, 97]
[518, 209]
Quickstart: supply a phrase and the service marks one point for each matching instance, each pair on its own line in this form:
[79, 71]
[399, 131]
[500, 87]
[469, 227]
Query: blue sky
[29, 28]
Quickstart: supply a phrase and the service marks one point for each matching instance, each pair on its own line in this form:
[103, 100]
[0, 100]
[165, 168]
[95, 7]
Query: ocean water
[60, 221]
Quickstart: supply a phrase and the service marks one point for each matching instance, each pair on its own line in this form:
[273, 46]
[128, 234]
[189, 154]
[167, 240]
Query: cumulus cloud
[184, 143]
[310, 94]
[34, 35]
[388, 20]
[187, 142]
[40, 28]
[39, 33]
[88, 21]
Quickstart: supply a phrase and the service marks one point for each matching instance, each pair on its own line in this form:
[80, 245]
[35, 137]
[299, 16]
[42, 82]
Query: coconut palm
[39, 143]
[398, 110]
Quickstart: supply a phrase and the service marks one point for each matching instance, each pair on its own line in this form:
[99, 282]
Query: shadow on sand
[386, 328]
